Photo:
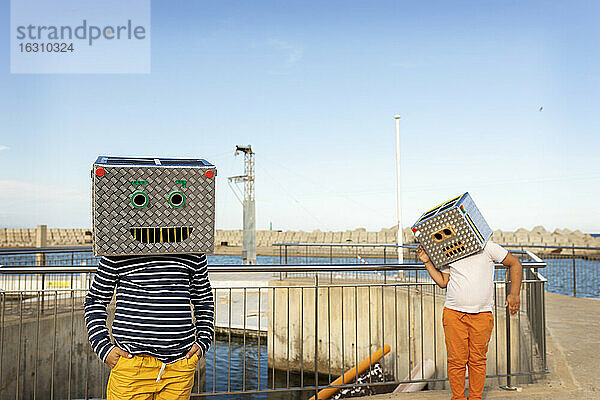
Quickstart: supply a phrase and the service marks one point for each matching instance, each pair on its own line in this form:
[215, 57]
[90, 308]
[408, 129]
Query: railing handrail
[350, 244]
[413, 245]
[53, 269]
[538, 275]
[87, 248]
[35, 250]
[547, 246]
[320, 285]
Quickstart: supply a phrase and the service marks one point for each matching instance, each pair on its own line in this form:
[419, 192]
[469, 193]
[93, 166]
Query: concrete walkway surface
[573, 349]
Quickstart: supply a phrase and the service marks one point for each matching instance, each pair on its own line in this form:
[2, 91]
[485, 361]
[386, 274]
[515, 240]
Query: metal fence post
[316, 336]
[508, 349]
[574, 274]
[43, 287]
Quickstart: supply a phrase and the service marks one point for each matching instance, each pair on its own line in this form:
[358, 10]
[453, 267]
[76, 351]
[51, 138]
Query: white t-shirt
[471, 285]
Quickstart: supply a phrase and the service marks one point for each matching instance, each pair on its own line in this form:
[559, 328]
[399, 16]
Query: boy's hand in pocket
[114, 355]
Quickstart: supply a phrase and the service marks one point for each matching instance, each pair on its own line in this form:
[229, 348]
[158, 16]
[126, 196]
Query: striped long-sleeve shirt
[153, 313]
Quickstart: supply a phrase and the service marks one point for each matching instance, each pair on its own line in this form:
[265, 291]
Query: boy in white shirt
[467, 316]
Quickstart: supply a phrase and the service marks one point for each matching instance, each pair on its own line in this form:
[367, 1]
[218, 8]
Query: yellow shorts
[136, 379]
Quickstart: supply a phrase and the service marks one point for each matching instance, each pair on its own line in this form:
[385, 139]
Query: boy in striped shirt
[164, 322]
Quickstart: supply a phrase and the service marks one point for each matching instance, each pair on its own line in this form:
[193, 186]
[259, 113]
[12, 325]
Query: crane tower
[247, 200]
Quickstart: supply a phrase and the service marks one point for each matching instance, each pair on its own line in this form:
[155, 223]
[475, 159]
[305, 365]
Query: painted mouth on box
[171, 234]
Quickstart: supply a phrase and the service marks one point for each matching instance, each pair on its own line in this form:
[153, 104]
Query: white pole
[399, 198]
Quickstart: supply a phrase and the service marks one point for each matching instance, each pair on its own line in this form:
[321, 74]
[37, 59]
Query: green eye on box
[176, 198]
[139, 199]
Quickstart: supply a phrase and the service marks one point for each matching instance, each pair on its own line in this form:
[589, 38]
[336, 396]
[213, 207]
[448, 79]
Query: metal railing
[51, 256]
[282, 336]
[339, 253]
[571, 270]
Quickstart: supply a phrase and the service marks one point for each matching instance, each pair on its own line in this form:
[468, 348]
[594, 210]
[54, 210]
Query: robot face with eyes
[152, 206]
[451, 231]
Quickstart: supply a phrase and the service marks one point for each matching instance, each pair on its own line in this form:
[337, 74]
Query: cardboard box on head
[152, 206]
[451, 231]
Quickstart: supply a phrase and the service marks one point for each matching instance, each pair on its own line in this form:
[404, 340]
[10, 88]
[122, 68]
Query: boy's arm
[96, 301]
[440, 278]
[204, 305]
[513, 300]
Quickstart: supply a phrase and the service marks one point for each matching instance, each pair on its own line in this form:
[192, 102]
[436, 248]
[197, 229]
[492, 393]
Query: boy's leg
[131, 379]
[480, 330]
[177, 379]
[456, 333]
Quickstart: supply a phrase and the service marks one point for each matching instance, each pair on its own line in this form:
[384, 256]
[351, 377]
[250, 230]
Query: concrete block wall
[55, 237]
[266, 238]
[537, 236]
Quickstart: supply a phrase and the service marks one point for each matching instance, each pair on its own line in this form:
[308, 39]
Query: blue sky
[313, 87]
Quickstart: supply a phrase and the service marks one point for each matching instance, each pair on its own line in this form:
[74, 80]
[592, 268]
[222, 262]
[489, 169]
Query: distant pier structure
[247, 200]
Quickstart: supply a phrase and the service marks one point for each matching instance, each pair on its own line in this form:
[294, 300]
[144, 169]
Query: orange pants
[467, 339]
[144, 378]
